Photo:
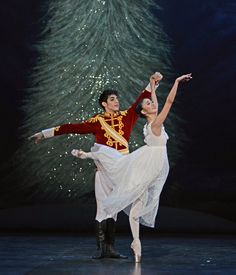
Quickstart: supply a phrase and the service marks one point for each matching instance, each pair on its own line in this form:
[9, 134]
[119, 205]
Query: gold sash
[115, 135]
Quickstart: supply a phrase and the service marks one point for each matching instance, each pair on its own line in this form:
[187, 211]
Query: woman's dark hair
[139, 109]
[104, 96]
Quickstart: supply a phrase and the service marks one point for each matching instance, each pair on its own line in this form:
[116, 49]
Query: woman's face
[148, 107]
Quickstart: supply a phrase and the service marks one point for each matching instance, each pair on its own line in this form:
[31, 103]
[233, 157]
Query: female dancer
[138, 178]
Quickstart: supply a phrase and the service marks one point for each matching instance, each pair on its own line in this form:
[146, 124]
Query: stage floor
[57, 254]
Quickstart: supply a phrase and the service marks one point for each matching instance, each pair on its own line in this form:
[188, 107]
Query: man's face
[112, 105]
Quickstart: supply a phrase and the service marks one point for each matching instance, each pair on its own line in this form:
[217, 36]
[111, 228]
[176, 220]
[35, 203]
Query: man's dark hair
[104, 96]
[139, 108]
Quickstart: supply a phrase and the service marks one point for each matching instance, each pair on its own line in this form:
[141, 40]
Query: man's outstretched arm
[87, 127]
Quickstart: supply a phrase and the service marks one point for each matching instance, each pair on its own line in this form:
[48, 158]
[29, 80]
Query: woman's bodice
[151, 139]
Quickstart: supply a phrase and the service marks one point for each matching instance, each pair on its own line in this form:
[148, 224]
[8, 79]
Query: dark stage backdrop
[200, 193]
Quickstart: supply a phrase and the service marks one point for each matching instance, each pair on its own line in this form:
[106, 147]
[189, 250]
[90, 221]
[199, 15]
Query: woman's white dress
[139, 175]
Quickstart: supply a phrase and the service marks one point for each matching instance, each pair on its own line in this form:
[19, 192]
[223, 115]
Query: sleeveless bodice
[151, 139]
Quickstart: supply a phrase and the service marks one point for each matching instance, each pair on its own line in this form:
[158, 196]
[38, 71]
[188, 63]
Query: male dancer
[111, 128]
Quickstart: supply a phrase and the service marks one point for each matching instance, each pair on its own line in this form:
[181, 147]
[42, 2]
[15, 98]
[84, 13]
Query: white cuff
[47, 133]
[148, 88]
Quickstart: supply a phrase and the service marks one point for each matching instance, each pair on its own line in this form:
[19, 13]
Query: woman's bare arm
[169, 101]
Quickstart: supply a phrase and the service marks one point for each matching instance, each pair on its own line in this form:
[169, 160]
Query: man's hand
[36, 137]
[154, 79]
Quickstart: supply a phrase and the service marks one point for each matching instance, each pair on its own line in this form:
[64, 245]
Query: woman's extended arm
[169, 101]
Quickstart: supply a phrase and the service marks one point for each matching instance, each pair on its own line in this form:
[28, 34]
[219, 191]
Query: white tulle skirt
[139, 175]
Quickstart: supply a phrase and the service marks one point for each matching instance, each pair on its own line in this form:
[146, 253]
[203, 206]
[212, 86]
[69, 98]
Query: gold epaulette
[94, 119]
[124, 113]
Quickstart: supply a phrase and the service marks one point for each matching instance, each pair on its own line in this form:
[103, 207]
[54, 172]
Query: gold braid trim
[112, 133]
[94, 119]
[124, 113]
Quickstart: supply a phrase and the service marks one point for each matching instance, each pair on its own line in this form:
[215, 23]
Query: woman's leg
[133, 220]
[134, 226]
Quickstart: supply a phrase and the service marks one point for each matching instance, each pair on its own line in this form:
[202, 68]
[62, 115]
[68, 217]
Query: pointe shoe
[79, 154]
[136, 246]
[137, 258]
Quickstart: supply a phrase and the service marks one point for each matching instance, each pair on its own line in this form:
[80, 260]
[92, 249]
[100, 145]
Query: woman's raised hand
[185, 77]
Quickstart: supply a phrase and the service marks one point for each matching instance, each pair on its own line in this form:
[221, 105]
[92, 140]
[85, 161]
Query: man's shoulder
[124, 112]
[95, 118]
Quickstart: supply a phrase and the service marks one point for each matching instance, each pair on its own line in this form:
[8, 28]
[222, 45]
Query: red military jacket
[109, 129]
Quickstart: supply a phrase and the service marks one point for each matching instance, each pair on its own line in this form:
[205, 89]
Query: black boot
[100, 235]
[110, 240]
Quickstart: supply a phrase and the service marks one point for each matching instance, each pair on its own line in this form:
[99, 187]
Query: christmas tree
[86, 47]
